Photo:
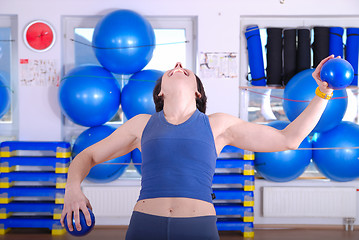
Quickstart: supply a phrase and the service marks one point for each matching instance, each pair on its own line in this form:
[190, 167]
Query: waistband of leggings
[158, 216]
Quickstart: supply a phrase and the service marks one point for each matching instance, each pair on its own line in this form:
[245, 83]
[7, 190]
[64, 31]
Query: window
[174, 42]
[171, 47]
[171, 34]
[263, 104]
[260, 104]
[8, 72]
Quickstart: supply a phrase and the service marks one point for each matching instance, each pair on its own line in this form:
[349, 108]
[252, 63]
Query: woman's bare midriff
[175, 207]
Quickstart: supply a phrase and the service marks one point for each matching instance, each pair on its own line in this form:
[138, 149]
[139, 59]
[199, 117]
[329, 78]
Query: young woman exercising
[179, 146]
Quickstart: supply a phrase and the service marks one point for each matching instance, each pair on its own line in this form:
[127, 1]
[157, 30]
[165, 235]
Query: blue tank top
[178, 160]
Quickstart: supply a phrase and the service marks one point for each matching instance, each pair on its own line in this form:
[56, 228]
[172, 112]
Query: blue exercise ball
[89, 95]
[342, 163]
[137, 159]
[85, 229]
[123, 41]
[301, 90]
[109, 170]
[229, 151]
[4, 97]
[283, 166]
[137, 95]
[337, 72]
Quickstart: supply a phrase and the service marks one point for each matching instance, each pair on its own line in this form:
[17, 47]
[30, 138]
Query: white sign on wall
[219, 65]
[39, 72]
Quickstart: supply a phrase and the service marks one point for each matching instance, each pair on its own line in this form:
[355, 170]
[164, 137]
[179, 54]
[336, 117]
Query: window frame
[10, 130]
[69, 23]
[284, 22]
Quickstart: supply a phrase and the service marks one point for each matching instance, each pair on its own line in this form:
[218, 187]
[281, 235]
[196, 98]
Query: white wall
[218, 30]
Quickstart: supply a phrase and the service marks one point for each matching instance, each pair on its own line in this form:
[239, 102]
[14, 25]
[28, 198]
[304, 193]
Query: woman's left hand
[323, 86]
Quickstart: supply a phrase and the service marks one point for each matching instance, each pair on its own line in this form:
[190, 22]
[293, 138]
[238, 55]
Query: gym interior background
[189, 31]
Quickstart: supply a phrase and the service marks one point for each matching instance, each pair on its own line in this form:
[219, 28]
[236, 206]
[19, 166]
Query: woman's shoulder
[224, 126]
[220, 122]
[137, 122]
[224, 121]
[222, 117]
[140, 119]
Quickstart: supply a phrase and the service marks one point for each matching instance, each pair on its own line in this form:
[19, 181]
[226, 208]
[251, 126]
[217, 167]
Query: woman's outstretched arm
[260, 138]
[122, 141]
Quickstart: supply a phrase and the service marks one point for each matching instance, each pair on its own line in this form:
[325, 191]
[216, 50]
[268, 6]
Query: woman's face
[177, 79]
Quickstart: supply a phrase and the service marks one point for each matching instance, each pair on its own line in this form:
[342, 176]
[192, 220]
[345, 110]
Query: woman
[179, 145]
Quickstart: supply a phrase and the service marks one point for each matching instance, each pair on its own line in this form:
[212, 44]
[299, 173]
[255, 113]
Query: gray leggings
[152, 227]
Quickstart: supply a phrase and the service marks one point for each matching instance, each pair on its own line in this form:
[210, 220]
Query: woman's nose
[178, 65]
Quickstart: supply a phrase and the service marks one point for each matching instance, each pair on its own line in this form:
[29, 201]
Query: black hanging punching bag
[320, 45]
[289, 54]
[303, 50]
[274, 56]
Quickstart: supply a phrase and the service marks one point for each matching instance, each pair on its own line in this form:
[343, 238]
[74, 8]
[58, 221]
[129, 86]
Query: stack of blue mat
[233, 186]
[32, 184]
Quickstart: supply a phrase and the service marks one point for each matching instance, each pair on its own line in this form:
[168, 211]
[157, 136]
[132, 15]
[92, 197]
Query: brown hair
[201, 103]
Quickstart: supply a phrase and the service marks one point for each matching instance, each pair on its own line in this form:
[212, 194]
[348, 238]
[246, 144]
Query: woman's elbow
[86, 156]
[292, 145]
[290, 142]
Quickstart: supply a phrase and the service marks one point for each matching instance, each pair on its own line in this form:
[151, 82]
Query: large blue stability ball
[123, 42]
[137, 95]
[342, 162]
[109, 170]
[229, 151]
[137, 159]
[85, 229]
[4, 97]
[338, 73]
[301, 90]
[283, 166]
[89, 95]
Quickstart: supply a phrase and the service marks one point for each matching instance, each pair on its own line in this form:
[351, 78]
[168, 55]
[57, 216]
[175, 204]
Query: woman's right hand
[74, 201]
[323, 86]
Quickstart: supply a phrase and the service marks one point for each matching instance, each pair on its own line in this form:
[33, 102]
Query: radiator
[309, 202]
[112, 201]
